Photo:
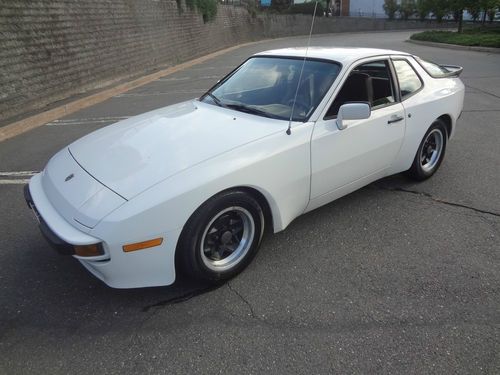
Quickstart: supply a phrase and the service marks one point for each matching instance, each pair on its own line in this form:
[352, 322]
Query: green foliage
[390, 8]
[488, 37]
[207, 8]
[407, 9]
[252, 8]
[280, 5]
[307, 8]
[440, 8]
[422, 8]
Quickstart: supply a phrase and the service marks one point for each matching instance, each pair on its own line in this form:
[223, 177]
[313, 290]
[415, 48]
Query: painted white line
[90, 119]
[187, 78]
[173, 92]
[173, 79]
[227, 67]
[14, 182]
[18, 173]
[86, 121]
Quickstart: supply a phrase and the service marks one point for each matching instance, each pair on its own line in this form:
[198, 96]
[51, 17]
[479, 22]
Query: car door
[365, 147]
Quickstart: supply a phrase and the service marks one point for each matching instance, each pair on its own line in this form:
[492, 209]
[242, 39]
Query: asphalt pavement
[398, 277]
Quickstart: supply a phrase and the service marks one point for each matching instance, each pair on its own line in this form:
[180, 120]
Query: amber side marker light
[142, 245]
[93, 250]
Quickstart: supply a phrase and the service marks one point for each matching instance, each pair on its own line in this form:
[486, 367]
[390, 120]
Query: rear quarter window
[433, 69]
[409, 81]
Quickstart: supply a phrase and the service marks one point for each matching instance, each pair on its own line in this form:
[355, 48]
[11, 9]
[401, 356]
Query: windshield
[266, 86]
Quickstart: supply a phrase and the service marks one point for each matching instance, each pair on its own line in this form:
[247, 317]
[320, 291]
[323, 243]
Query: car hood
[132, 155]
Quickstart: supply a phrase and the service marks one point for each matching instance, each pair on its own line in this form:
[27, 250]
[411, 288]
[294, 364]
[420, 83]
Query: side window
[409, 81]
[370, 82]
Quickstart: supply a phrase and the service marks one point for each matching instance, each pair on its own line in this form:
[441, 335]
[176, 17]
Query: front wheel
[221, 237]
[430, 153]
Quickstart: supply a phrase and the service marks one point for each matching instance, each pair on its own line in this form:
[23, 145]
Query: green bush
[473, 37]
[307, 8]
[280, 5]
[207, 8]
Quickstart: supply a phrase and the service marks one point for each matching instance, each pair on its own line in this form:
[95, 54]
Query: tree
[280, 5]
[474, 9]
[458, 7]
[390, 8]
[440, 8]
[407, 9]
[422, 8]
[488, 7]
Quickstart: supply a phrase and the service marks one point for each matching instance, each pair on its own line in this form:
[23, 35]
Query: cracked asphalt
[397, 277]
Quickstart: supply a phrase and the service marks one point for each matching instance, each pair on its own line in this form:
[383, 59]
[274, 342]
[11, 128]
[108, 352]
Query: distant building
[337, 7]
[340, 7]
[367, 8]
[375, 8]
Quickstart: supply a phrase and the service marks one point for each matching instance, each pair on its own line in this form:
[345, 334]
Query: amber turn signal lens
[143, 245]
[93, 250]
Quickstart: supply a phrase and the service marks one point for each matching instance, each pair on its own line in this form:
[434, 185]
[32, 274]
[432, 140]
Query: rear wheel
[221, 237]
[430, 153]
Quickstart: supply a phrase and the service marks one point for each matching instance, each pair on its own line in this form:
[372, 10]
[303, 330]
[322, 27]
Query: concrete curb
[32, 122]
[455, 46]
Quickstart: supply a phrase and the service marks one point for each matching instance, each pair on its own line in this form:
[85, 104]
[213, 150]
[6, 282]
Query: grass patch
[484, 37]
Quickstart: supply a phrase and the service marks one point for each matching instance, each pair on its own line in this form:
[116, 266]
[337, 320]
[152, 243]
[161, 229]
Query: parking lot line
[32, 122]
[86, 121]
[15, 177]
[14, 182]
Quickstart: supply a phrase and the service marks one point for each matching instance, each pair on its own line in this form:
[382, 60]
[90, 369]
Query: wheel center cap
[226, 237]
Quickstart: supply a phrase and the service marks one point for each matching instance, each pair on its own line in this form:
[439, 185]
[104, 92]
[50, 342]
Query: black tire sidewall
[416, 171]
[188, 255]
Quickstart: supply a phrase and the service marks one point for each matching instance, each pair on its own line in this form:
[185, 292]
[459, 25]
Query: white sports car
[191, 187]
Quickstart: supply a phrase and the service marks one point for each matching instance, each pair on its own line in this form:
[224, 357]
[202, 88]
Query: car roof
[343, 55]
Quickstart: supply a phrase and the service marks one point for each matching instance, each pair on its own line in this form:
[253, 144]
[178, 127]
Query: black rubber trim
[55, 241]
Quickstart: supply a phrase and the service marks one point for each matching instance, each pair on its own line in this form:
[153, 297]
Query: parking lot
[398, 277]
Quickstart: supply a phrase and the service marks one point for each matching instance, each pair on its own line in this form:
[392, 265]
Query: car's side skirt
[344, 190]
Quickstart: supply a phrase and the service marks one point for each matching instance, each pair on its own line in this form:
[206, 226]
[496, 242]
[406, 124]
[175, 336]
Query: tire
[221, 237]
[430, 153]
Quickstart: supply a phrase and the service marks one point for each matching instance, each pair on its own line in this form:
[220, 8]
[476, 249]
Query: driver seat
[358, 87]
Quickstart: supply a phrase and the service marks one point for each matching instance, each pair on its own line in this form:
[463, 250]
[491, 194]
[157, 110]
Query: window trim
[394, 83]
[415, 71]
[299, 58]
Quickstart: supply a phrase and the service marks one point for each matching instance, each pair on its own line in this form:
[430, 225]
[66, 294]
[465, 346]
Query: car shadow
[47, 289]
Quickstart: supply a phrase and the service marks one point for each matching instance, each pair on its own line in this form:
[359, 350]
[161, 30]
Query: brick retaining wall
[51, 50]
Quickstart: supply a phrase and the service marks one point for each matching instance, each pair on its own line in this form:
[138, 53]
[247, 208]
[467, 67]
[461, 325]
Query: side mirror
[352, 111]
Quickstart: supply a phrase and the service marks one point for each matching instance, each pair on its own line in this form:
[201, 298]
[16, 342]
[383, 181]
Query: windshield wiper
[216, 100]
[252, 110]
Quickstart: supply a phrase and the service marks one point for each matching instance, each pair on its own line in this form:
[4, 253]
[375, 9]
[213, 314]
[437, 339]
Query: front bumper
[61, 246]
[150, 267]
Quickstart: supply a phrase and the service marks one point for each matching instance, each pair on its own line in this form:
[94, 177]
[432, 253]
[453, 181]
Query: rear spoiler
[439, 70]
[454, 70]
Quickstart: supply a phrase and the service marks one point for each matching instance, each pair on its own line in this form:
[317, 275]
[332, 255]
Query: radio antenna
[289, 130]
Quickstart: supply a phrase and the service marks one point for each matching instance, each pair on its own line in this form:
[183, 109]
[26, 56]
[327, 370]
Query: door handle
[395, 119]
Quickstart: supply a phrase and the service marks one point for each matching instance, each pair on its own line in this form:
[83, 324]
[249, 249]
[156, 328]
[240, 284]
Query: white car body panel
[81, 199]
[365, 147]
[142, 152]
[438, 97]
[143, 177]
[55, 221]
